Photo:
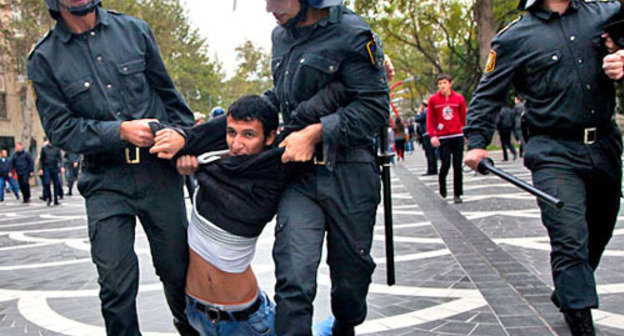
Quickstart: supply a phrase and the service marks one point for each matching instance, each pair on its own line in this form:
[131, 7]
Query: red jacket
[446, 115]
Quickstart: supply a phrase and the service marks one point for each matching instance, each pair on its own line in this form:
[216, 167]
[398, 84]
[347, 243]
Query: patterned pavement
[478, 268]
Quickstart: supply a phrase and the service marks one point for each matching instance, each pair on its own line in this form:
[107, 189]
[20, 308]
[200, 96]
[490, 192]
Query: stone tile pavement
[478, 268]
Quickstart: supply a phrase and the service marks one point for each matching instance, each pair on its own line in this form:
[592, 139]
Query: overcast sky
[226, 29]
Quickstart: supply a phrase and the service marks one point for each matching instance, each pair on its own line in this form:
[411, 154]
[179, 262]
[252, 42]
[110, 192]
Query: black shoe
[57, 203]
[457, 200]
[42, 198]
[48, 202]
[580, 322]
[26, 201]
[443, 194]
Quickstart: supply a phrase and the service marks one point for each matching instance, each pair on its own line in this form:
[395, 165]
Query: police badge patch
[490, 65]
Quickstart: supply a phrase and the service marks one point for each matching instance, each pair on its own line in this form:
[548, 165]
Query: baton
[384, 158]
[486, 166]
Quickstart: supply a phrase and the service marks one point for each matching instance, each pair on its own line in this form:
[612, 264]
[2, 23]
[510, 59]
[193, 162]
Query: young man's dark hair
[254, 107]
[444, 76]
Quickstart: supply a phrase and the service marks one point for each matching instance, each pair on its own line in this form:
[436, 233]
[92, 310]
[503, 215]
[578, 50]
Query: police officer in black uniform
[337, 190]
[72, 168]
[553, 56]
[99, 80]
[49, 167]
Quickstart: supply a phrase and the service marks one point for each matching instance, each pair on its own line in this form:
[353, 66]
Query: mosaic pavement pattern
[478, 268]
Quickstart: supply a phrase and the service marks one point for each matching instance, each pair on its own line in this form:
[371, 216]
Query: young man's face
[19, 147]
[283, 10]
[246, 137]
[445, 85]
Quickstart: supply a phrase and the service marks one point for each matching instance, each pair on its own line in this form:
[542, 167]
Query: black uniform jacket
[555, 62]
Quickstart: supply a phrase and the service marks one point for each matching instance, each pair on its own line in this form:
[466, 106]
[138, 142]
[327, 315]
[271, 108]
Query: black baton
[384, 158]
[486, 166]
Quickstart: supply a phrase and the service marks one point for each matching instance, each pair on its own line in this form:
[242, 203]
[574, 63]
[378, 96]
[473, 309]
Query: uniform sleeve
[178, 110]
[431, 120]
[490, 95]
[62, 126]
[364, 79]
[206, 137]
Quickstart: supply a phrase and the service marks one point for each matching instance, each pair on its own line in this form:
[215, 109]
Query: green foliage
[253, 75]
[425, 38]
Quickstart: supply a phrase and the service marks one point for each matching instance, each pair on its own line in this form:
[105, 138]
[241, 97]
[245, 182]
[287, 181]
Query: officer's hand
[300, 145]
[137, 132]
[474, 156]
[435, 142]
[168, 143]
[613, 65]
[187, 165]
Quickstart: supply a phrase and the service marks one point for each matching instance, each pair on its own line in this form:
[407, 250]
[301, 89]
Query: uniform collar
[546, 14]
[65, 34]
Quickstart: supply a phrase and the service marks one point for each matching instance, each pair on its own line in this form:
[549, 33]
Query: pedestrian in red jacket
[445, 119]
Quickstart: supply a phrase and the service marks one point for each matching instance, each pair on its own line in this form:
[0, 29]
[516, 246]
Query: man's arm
[365, 79]
[324, 102]
[196, 140]
[488, 99]
[63, 127]
[178, 110]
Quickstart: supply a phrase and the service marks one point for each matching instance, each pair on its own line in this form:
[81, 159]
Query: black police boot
[580, 322]
[49, 201]
[340, 329]
[56, 202]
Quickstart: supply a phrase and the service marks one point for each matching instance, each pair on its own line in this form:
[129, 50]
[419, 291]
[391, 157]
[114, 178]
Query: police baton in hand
[486, 166]
[384, 157]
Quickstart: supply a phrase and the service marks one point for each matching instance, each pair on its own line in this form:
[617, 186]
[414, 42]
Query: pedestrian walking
[24, 168]
[6, 175]
[505, 126]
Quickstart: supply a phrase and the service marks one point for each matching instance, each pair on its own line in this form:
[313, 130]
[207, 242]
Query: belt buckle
[318, 162]
[590, 135]
[213, 314]
[137, 156]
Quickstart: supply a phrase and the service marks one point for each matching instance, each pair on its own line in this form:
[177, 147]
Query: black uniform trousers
[505, 137]
[52, 175]
[588, 179]
[24, 185]
[342, 204]
[430, 155]
[451, 147]
[72, 176]
[115, 196]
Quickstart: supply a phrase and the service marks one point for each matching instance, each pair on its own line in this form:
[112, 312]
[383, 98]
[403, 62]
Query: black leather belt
[221, 315]
[586, 135]
[129, 155]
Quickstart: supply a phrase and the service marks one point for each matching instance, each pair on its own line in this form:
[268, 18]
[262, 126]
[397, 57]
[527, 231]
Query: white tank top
[226, 251]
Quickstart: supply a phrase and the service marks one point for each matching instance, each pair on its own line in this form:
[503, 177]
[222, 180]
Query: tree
[253, 75]
[425, 38]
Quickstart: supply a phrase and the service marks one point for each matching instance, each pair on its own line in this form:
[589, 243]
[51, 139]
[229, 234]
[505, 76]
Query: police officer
[99, 80]
[72, 169]
[553, 56]
[337, 190]
[49, 167]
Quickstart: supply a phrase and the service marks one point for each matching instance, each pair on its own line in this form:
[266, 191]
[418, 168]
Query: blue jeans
[13, 185]
[259, 323]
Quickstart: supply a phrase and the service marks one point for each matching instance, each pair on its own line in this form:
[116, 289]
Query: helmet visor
[282, 6]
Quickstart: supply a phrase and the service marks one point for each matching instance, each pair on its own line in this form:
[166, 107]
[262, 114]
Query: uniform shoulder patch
[490, 65]
[41, 40]
[375, 51]
[506, 28]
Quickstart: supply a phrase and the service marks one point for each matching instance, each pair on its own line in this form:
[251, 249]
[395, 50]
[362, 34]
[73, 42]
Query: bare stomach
[206, 282]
